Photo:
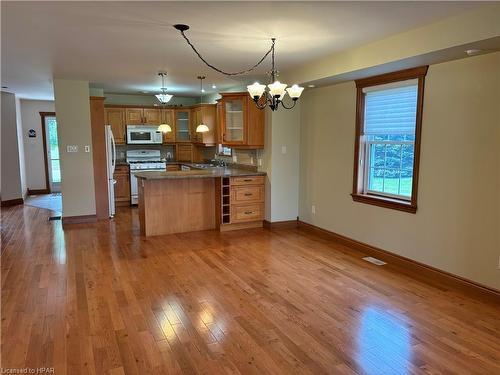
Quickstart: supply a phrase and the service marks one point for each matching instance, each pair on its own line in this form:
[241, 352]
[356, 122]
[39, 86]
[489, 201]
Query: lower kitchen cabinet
[184, 152]
[242, 202]
[122, 186]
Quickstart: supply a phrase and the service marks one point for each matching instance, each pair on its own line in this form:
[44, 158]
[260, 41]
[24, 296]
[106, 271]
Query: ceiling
[121, 46]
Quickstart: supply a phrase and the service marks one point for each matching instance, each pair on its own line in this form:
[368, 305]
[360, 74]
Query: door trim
[44, 137]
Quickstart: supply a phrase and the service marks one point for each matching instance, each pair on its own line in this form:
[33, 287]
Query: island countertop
[197, 173]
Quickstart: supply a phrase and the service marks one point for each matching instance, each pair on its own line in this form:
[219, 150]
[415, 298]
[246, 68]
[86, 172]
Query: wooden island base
[168, 206]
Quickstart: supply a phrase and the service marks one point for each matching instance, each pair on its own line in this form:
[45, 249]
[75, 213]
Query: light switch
[72, 148]
[283, 150]
[87, 148]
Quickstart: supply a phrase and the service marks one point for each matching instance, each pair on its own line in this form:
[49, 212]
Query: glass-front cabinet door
[182, 126]
[234, 119]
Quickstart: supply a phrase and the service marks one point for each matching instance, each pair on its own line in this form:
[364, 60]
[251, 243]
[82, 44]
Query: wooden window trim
[357, 189]
[43, 115]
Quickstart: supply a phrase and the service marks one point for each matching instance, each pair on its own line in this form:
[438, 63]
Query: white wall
[33, 147]
[456, 227]
[12, 183]
[22, 162]
[72, 106]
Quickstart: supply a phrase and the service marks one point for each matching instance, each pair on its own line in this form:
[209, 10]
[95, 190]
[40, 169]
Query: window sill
[394, 204]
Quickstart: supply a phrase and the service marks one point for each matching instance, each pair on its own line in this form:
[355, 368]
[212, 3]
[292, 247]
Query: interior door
[53, 164]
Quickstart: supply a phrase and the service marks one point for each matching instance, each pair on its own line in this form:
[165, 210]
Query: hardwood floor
[99, 299]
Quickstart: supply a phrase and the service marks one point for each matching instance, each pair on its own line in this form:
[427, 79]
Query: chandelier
[276, 92]
[163, 98]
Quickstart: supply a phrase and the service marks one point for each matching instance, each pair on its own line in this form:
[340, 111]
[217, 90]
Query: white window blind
[391, 109]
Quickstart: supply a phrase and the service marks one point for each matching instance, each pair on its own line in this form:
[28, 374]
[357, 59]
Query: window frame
[360, 145]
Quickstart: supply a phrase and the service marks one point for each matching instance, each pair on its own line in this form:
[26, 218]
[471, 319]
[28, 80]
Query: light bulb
[295, 91]
[277, 89]
[256, 90]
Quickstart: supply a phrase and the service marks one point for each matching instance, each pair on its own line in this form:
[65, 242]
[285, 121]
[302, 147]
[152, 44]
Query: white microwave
[142, 134]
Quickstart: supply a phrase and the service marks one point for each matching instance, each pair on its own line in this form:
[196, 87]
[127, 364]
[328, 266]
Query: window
[387, 144]
[224, 151]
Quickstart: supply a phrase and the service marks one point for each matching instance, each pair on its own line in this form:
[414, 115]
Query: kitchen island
[219, 198]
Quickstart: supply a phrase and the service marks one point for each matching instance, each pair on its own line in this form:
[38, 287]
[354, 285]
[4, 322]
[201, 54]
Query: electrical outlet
[87, 148]
[72, 148]
[235, 159]
[313, 209]
[259, 161]
[283, 150]
[251, 160]
[499, 262]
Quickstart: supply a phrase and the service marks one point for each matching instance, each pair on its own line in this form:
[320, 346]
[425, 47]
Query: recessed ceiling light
[202, 90]
[473, 51]
[214, 87]
[311, 86]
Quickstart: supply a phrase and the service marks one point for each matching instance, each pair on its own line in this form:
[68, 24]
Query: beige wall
[282, 164]
[456, 227]
[33, 147]
[12, 184]
[73, 126]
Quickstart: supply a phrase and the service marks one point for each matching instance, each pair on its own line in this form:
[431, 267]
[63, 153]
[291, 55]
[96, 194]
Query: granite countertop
[197, 173]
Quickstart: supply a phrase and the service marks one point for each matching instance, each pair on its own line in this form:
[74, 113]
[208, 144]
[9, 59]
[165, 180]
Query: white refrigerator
[111, 163]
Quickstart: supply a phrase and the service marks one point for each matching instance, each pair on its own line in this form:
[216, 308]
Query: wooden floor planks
[99, 299]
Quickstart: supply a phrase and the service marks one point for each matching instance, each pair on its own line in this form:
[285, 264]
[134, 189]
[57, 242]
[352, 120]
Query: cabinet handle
[248, 212]
[248, 194]
[247, 180]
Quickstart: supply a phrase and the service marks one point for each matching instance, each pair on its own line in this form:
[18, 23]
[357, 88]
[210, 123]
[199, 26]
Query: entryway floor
[51, 202]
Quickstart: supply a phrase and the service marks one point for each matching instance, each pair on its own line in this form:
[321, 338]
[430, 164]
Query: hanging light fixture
[163, 98]
[201, 128]
[276, 90]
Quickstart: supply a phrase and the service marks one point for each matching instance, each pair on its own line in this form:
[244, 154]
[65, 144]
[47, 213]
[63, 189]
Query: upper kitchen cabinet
[241, 122]
[152, 116]
[134, 116]
[139, 116]
[167, 116]
[182, 125]
[204, 114]
[115, 117]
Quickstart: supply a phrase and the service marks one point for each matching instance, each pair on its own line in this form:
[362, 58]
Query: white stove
[142, 160]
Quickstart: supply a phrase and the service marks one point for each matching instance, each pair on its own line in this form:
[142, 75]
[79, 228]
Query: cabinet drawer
[249, 180]
[173, 167]
[250, 193]
[247, 212]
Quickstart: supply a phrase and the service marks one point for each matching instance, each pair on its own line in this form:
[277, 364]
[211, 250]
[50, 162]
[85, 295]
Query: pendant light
[164, 127]
[201, 128]
[163, 98]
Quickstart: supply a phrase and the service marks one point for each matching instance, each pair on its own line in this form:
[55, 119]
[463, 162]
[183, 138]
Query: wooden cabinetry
[122, 186]
[242, 202]
[152, 116]
[203, 114]
[139, 116]
[184, 152]
[167, 117]
[115, 117]
[182, 125]
[134, 116]
[240, 121]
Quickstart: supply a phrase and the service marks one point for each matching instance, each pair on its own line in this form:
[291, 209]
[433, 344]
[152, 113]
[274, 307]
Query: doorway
[51, 151]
